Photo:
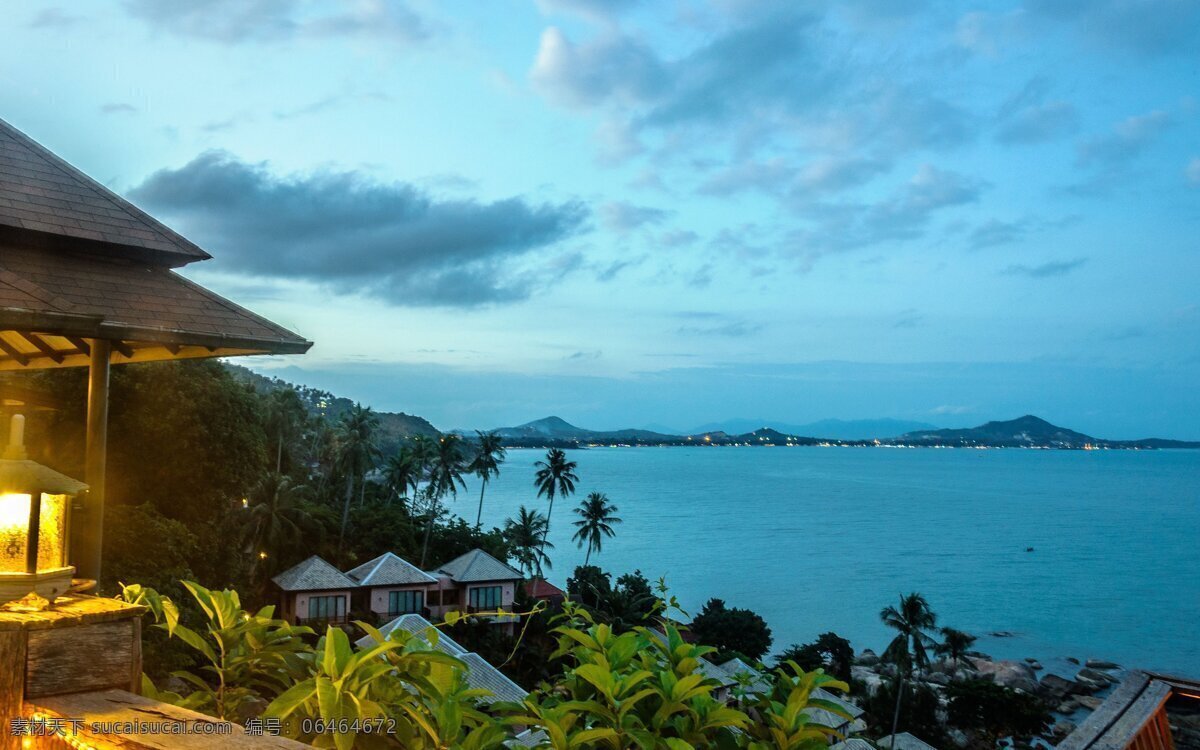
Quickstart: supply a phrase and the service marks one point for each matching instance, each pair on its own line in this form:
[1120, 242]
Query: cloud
[612, 67]
[118, 108]
[1144, 27]
[678, 238]
[597, 10]
[777, 176]
[988, 34]
[238, 21]
[1045, 270]
[1192, 172]
[624, 217]
[388, 240]
[1038, 123]
[54, 18]
[995, 232]
[720, 326]
[909, 318]
[1129, 138]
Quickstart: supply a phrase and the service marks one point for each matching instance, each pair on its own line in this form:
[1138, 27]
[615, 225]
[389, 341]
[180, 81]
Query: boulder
[867, 658]
[1090, 702]
[1011, 674]
[1072, 659]
[1067, 707]
[938, 678]
[958, 737]
[1098, 676]
[1035, 665]
[1061, 729]
[1089, 681]
[869, 679]
[1100, 664]
[1057, 687]
[1001, 634]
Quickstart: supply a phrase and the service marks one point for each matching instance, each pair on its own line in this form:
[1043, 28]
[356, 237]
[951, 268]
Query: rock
[1034, 664]
[1061, 729]
[1001, 634]
[1091, 681]
[1057, 687]
[1072, 659]
[867, 658]
[886, 670]
[1012, 674]
[958, 737]
[979, 655]
[1090, 702]
[1097, 676]
[1100, 664]
[938, 678]
[1068, 706]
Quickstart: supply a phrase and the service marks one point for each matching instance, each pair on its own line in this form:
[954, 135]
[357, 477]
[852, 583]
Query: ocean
[820, 539]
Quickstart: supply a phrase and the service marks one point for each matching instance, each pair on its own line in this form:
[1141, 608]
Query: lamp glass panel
[14, 532]
[52, 531]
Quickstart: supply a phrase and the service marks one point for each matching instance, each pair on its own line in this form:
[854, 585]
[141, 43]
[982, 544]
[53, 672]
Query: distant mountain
[835, 429]
[1029, 432]
[558, 429]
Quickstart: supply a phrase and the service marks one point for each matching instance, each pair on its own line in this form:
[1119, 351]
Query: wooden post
[91, 530]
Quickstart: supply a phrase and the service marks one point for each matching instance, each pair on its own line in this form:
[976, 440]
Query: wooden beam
[12, 351]
[123, 348]
[40, 344]
[80, 344]
[174, 349]
[91, 527]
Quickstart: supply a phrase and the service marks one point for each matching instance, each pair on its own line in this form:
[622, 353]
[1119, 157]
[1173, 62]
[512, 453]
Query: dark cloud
[1129, 138]
[237, 21]
[995, 232]
[1045, 270]
[1028, 116]
[624, 217]
[1144, 27]
[389, 240]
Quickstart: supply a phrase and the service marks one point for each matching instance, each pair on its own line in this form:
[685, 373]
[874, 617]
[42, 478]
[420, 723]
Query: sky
[670, 213]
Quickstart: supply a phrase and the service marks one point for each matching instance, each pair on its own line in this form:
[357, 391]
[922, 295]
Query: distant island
[1024, 432]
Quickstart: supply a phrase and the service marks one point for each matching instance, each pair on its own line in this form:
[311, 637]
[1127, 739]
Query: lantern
[35, 507]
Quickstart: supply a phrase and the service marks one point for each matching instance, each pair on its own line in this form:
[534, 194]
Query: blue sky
[670, 213]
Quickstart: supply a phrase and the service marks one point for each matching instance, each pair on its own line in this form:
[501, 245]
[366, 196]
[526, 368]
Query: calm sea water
[818, 539]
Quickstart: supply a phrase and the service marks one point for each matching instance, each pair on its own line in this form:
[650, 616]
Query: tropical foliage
[597, 516]
[736, 632]
[641, 688]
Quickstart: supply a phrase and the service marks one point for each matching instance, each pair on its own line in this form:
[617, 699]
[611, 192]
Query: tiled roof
[126, 300]
[314, 574]
[476, 566]
[540, 588]
[418, 627]
[389, 570]
[43, 196]
[480, 674]
[903, 741]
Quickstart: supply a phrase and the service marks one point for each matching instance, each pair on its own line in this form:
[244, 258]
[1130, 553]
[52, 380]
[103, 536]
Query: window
[485, 597]
[326, 607]
[402, 602]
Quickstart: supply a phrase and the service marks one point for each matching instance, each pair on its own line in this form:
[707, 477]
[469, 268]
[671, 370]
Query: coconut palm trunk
[479, 515]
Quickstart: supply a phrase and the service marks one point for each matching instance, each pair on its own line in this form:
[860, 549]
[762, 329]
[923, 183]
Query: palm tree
[486, 464]
[275, 519]
[911, 645]
[555, 476]
[285, 413]
[954, 644]
[446, 469]
[526, 535]
[595, 522]
[355, 456]
[404, 472]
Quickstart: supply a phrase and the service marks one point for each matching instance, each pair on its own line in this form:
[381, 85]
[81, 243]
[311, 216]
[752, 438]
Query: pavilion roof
[46, 202]
[78, 262]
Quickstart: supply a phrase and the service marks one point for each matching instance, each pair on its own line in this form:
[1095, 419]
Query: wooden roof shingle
[47, 202]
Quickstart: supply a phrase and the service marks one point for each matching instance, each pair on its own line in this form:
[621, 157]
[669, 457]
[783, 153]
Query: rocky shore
[1069, 698]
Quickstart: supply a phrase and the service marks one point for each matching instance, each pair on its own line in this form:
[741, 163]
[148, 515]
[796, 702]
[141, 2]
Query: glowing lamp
[35, 507]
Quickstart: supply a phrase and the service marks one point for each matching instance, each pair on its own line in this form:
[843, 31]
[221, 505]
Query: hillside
[1029, 432]
[393, 426]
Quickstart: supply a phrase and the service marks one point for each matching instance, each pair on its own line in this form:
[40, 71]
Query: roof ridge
[381, 560]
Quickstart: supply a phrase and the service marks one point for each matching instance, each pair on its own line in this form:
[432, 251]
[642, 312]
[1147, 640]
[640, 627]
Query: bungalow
[539, 589]
[475, 582]
[389, 586]
[314, 592]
